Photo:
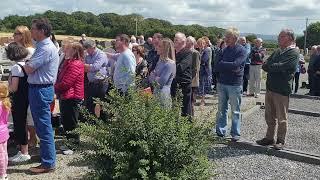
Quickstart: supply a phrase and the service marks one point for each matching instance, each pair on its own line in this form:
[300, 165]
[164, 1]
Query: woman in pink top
[5, 107]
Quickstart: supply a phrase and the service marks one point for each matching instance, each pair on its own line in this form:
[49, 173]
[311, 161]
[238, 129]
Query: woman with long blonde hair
[18, 85]
[22, 36]
[164, 72]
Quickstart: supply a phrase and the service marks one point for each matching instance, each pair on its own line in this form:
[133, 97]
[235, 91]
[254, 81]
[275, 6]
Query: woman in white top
[22, 36]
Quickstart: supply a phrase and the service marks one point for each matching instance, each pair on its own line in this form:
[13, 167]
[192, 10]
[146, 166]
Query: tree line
[108, 25]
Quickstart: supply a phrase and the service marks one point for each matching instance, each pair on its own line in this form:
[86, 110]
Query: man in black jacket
[184, 72]
[153, 56]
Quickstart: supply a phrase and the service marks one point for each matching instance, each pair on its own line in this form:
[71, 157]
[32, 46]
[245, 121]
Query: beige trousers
[276, 114]
[255, 79]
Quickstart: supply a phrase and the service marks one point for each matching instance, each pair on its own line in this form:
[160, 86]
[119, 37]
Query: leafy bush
[142, 140]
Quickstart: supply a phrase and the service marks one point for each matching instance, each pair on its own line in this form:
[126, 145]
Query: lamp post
[136, 19]
[305, 38]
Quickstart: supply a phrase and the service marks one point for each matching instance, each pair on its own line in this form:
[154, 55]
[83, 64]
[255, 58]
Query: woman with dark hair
[54, 40]
[18, 86]
[70, 90]
[142, 66]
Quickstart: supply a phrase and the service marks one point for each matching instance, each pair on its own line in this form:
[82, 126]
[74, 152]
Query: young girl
[18, 86]
[5, 106]
[70, 90]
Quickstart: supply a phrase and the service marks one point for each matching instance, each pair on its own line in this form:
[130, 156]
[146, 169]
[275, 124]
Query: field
[60, 37]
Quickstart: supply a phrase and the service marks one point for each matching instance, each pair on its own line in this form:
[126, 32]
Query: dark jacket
[257, 55]
[152, 59]
[230, 65]
[184, 66]
[281, 68]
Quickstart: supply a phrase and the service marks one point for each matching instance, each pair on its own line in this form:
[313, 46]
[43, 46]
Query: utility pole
[305, 38]
[136, 19]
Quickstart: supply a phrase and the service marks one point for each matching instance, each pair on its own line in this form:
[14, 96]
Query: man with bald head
[257, 55]
[183, 77]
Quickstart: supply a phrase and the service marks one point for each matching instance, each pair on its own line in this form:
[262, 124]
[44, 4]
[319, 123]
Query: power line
[256, 20]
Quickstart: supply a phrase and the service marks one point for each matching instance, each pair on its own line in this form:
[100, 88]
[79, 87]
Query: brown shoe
[278, 146]
[41, 169]
[265, 142]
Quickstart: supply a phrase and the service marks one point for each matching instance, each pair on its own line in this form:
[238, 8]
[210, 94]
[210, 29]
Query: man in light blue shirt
[125, 67]
[42, 71]
[247, 46]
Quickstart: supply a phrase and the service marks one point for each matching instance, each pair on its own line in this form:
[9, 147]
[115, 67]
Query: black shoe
[265, 142]
[235, 139]
[220, 135]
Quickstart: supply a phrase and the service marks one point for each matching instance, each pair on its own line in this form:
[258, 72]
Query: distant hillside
[263, 36]
[108, 25]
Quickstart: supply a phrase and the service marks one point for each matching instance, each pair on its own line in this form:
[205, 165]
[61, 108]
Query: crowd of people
[78, 72]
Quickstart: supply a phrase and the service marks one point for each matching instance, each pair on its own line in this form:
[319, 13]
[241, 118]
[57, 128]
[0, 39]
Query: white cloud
[248, 15]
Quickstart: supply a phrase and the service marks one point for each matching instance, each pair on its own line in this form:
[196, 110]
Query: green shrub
[142, 140]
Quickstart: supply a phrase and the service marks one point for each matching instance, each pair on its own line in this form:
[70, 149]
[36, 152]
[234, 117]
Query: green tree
[251, 38]
[110, 24]
[313, 36]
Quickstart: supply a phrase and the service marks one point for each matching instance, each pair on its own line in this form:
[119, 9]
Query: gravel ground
[303, 133]
[305, 104]
[233, 163]
[67, 167]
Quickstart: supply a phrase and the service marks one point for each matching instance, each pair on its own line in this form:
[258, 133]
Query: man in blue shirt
[96, 68]
[246, 75]
[125, 67]
[42, 73]
[230, 68]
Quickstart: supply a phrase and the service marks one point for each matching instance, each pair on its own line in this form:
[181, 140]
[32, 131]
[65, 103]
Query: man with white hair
[230, 69]
[257, 55]
[183, 77]
[247, 46]
[95, 67]
[191, 41]
[280, 66]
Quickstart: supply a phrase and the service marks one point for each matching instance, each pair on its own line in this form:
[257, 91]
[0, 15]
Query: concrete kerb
[306, 113]
[300, 96]
[285, 153]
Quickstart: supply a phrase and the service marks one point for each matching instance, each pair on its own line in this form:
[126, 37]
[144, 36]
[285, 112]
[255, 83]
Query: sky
[250, 16]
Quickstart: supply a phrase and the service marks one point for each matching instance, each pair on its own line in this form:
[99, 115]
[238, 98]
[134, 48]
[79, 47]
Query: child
[18, 86]
[5, 106]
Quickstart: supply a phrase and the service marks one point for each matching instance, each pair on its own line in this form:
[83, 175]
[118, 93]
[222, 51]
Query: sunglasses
[17, 33]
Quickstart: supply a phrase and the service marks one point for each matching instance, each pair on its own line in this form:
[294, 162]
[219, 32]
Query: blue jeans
[40, 98]
[232, 94]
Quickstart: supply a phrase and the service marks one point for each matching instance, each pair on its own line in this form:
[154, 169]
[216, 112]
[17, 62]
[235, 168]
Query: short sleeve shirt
[16, 70]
